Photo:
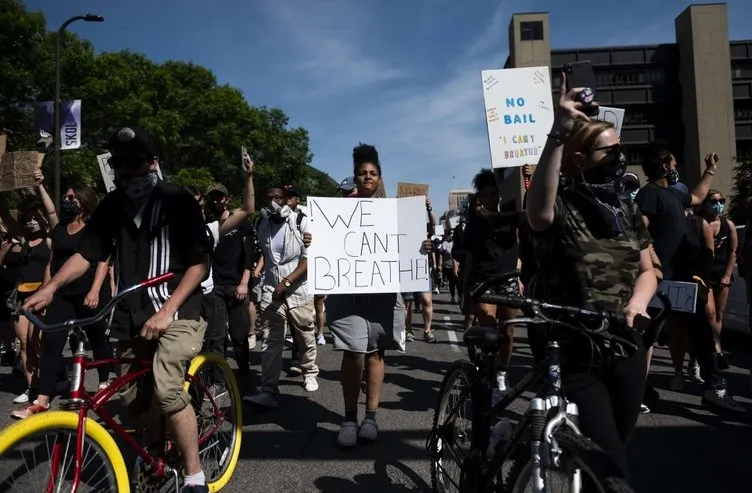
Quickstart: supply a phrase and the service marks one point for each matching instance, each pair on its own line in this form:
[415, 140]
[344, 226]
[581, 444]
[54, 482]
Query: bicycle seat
[484, 336]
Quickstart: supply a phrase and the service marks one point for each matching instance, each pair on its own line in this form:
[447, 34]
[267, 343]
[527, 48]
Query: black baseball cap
[291, 191]
[132, 141]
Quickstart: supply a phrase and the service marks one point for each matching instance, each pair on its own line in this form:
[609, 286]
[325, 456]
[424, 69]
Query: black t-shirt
[692, 258]
[64, 245]
[34, 261]
[493, 247]
[229, 258]
[171, 237]
[664, 208]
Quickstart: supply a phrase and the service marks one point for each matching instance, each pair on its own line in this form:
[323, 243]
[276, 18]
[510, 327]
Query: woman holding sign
[365, 326]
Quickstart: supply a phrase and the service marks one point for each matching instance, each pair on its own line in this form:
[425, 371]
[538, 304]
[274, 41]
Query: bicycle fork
[544, 451]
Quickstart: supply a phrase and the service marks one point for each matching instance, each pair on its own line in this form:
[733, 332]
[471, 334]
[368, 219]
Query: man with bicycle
[151, 228]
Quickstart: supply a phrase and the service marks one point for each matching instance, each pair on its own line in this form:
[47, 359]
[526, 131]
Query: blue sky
[401, 75]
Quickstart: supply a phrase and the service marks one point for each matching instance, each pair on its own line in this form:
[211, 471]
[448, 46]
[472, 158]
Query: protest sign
[612, 115]
[17, 169]
[683, 296]
[519, 114]
[108, 175]
[411, 189]
[367, 246]
[70, 124]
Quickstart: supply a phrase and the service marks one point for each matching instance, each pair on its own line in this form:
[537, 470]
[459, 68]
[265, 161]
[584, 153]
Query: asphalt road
[680, 446]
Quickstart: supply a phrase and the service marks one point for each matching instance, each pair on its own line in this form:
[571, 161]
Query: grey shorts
[366, 323]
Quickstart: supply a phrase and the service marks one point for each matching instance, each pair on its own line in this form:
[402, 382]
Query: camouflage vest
[579, 268]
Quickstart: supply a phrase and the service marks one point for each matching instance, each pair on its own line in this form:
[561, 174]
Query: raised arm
[236, 218]
[47, 204]
[703, 187]
[545, 181]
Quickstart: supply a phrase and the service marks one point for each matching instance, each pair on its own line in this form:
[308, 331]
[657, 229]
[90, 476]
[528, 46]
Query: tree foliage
[741, 191]
[199, 124]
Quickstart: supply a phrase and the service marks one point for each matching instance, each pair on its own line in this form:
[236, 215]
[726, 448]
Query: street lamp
[56, 132]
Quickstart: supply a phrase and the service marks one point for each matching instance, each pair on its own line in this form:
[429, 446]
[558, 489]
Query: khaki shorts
[170, 355]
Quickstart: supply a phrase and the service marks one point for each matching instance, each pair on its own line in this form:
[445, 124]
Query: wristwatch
[286, 282]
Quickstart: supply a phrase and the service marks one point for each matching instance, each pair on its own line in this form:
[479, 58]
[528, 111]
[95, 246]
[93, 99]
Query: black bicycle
[545, 443]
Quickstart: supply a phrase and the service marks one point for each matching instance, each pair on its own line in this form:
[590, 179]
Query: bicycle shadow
[389, 476]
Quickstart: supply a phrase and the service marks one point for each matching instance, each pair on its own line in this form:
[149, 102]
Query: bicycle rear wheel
[451, 440]
[219, 432]
[38, 454]
[598, 472]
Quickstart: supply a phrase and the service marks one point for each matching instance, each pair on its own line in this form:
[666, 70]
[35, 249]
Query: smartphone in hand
[580, 74]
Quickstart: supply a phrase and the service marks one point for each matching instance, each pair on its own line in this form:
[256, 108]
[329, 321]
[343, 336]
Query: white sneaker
[723, 399]
[252, 341]
[436, 291]
[295, 368]
[22, 398]
[310, 384]
[644, 409]
[677, 383]
[263, 399]
[368, 430]
[693, 372]
[348, 434]
[321, 340]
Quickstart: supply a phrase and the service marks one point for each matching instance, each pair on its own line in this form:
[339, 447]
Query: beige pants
[274, 326]
[170, 356]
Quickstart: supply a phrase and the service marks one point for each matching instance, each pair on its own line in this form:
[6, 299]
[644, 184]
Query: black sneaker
[195, 489]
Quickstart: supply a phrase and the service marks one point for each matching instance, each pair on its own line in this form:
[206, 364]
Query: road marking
[451, 334]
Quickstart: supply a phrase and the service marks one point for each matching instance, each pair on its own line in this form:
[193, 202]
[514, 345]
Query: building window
[630, 77]
[531, 31]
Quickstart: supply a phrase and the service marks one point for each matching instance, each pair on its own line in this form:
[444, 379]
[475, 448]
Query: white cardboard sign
[683, 296]
[612, 115]
[519, 114]
[367, 245]
[108, 175]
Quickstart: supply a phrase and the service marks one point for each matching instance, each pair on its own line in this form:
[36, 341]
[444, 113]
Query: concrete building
[696, 93]
[458, 198]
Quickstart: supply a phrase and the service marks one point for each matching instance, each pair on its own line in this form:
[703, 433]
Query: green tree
[741, 191]
[199, 124]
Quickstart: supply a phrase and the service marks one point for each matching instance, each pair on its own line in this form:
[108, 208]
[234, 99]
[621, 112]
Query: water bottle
[501, 433]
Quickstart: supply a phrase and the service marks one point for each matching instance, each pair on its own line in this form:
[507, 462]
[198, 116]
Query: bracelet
[556, 138]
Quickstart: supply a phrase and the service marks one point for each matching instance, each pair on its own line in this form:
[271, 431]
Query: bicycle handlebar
[83, 322]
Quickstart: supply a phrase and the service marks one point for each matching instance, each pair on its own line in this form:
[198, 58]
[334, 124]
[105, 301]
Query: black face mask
[213, 210]
[605, 180]
[69, 210]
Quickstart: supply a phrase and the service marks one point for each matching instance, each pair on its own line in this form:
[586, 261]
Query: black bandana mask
[605, 180]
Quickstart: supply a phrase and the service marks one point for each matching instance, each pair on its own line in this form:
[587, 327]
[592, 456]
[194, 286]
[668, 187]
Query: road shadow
[389, 476]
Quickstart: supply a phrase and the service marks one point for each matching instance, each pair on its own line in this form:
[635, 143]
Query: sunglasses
[717, 201]
[612, 149]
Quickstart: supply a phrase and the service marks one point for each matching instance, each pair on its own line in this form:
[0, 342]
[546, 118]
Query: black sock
[371, 414]
[351, 416]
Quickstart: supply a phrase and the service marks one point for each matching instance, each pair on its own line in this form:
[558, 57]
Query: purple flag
[70, 124]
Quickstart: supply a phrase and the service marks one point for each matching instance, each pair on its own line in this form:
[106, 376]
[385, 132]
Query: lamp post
[56, 131]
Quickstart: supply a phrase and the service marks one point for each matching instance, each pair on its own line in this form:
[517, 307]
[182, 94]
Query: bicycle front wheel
[597, 472]
[38, 453]
[220, 430]
[450, 445]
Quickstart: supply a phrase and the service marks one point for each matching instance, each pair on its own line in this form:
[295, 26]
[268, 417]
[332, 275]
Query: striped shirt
[167, 235]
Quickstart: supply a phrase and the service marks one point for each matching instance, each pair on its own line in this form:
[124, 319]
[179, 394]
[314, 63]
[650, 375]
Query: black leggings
[61, 309]
[233, 313]
[608, 396]
[451, 278]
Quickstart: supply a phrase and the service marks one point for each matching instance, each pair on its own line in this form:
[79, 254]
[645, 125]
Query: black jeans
[608, 391]
[229, 312]
[700, 334]
[61, 309]
[451, 279]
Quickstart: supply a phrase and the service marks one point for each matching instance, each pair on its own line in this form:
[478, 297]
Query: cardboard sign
[108, 175]
[367, 246]
[519, 114]
[411, 189]
[683, 296]
[17, 169]
[612, 115]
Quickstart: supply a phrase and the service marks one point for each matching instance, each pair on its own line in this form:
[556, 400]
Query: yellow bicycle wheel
[219, 450]
[103, 467]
